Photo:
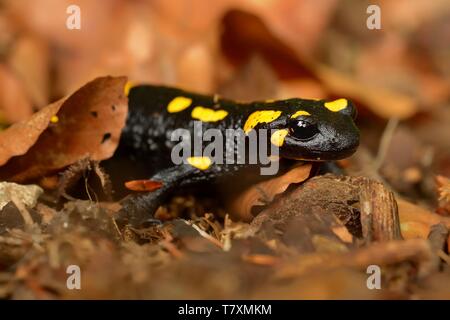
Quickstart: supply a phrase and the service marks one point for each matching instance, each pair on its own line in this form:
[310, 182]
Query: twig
[11, 241]
[207, 236]
[385, 140]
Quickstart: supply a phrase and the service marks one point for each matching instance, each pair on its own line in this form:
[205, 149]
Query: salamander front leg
[140, 209]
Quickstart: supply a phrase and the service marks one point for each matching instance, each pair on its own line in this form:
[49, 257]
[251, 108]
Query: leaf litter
[295, 236]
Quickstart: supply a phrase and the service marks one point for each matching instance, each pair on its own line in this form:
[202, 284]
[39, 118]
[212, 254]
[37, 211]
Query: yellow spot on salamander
[54, 119]
[300, 113]
[270, 100]
[274, 158]
[208, 115]
[336, 105]
[201, 163]
[278, 137]
[262, 116]
[127, 88]
[179, 104]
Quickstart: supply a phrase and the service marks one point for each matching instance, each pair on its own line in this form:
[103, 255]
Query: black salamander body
[306, 130]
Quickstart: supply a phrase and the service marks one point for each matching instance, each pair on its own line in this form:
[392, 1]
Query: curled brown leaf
[86, 123]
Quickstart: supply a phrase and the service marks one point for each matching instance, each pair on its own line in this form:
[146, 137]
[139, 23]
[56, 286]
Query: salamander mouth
[320, 156]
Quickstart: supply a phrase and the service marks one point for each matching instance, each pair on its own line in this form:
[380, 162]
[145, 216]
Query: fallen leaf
[87, 123]
[254, 81]
[261, 259]
[14, 102]
[250, 34]
[195, 68]
[343, 234]
[415, 221]
[264, 192]
[29, 58]
[383, 102]
[21, 136]
[83, 169]
[143, 185]
[443, 189]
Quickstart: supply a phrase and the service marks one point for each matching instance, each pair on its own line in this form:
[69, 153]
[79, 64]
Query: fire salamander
[306, 130]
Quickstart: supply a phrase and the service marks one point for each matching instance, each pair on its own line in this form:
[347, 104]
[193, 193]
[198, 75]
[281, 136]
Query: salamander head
[313, 129]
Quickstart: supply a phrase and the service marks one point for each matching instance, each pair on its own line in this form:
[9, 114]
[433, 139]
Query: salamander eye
[303, 129]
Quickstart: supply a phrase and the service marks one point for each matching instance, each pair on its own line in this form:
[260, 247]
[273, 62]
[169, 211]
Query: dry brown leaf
[143, 185]
[383, 102]
[251, 35]
[14, 102]
[155, 40]
[87, 123]
[343, 234]
[254, 81]
[443, 186]
[83, 169]
[18, 139]
[195, 68]
[30, 60]
[305, 88]
[415, 221]
[261, 259]
[264, 192]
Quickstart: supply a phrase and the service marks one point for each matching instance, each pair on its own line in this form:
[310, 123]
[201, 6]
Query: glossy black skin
[146, 139]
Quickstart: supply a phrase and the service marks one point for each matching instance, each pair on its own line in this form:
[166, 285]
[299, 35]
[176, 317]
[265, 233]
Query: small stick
[385, 141]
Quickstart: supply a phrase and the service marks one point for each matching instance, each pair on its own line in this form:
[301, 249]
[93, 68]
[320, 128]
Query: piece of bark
[379, 212]
[312, 217]
[438, 236]
[319, 196]
[364, 206]
[438, 240]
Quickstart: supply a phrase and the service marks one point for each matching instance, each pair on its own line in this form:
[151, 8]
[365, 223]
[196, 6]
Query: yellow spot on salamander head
[179, 104]
[208, 115]
[336, 105]
[262, 116]
[278, 137]
[127, 88]
[54, 119]
[300, 113]
[201, 163]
